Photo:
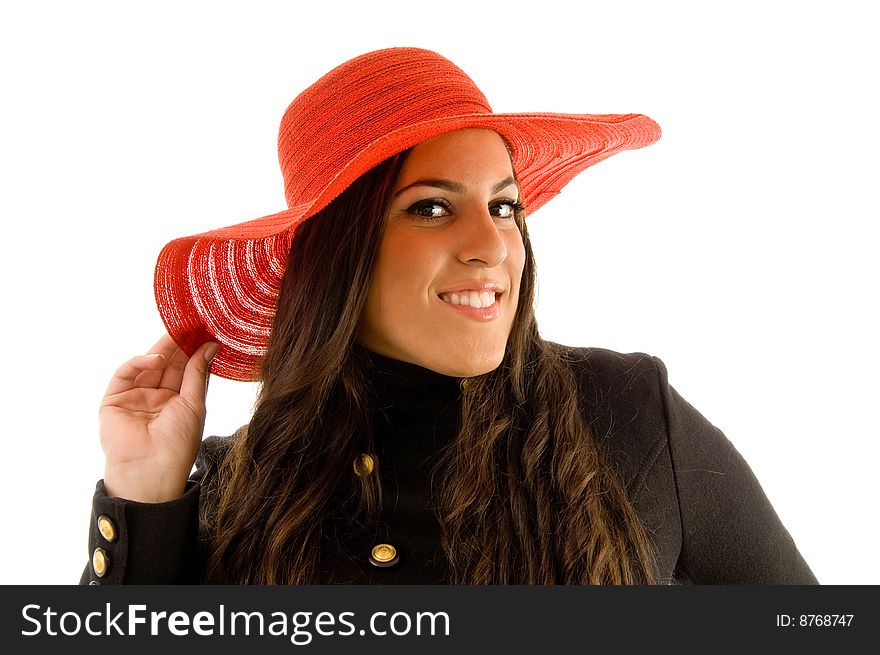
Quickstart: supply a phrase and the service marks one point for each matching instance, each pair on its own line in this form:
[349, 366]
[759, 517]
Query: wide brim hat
[222, 285]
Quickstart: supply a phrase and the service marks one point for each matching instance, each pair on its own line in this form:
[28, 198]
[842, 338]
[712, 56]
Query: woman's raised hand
[151, 421]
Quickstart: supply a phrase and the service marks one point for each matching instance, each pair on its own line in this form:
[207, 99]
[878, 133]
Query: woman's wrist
[144, 487]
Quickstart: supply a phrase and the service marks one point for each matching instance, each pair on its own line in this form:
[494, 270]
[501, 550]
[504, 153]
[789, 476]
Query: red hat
[222, 285]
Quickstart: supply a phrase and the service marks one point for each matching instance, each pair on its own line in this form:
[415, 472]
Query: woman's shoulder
[213, 449]
[621, 396]
[613, 374]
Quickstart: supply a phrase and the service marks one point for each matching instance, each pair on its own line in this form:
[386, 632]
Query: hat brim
[222, 285]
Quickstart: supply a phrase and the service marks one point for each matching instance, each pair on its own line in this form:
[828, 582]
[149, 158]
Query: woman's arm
[730, 532]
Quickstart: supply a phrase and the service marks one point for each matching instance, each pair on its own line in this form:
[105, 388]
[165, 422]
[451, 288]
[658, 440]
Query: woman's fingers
[164, 346]
[163, 366]
[152, 378]
[126, 375]
[172, 373]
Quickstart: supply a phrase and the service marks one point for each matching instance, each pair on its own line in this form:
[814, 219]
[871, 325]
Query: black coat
[704, 510]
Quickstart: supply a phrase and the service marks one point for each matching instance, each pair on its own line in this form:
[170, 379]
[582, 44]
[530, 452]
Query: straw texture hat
[222, 285]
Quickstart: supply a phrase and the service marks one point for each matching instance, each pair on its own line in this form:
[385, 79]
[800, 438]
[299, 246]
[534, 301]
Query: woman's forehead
[473, 155]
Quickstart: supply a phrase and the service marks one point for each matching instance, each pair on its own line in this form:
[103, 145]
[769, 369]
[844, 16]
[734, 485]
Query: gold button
[106, 528]
[363, 464]
[100, 562]
[384, 555]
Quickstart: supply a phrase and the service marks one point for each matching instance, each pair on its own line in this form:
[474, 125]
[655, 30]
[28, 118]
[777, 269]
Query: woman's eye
[506, 209]
[430, 209]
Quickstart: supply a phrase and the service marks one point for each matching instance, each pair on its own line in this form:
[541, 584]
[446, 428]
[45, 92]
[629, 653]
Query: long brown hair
[527, 497]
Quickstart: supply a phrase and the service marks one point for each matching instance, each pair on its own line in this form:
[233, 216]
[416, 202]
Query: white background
[741, 248]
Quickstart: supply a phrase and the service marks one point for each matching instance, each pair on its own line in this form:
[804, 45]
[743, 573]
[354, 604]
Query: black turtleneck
[416, 416]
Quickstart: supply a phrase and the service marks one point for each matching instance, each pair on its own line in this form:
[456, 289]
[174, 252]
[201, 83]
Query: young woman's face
[446, 284]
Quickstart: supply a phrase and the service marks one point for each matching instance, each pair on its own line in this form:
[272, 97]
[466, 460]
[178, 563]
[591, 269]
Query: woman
[412, 426]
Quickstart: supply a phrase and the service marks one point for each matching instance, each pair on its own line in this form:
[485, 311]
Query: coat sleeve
[731, 533]
[143, 543]
[152, 543]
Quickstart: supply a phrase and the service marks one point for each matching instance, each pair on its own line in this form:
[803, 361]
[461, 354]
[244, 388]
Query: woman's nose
[480, 241]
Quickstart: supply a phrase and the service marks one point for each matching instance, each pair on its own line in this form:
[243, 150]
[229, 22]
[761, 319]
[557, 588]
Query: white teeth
[470, 298]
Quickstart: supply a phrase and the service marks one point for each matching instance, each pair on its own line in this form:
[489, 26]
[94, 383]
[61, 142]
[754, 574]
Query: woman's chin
[466, 366]
[457, 359]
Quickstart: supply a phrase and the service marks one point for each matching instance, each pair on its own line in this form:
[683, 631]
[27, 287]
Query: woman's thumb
[195, 375]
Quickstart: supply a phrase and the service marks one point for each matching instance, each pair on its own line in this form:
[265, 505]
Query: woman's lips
[474, 285]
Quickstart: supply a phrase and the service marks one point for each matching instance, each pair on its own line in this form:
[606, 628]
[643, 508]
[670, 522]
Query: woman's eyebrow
[455, 187]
